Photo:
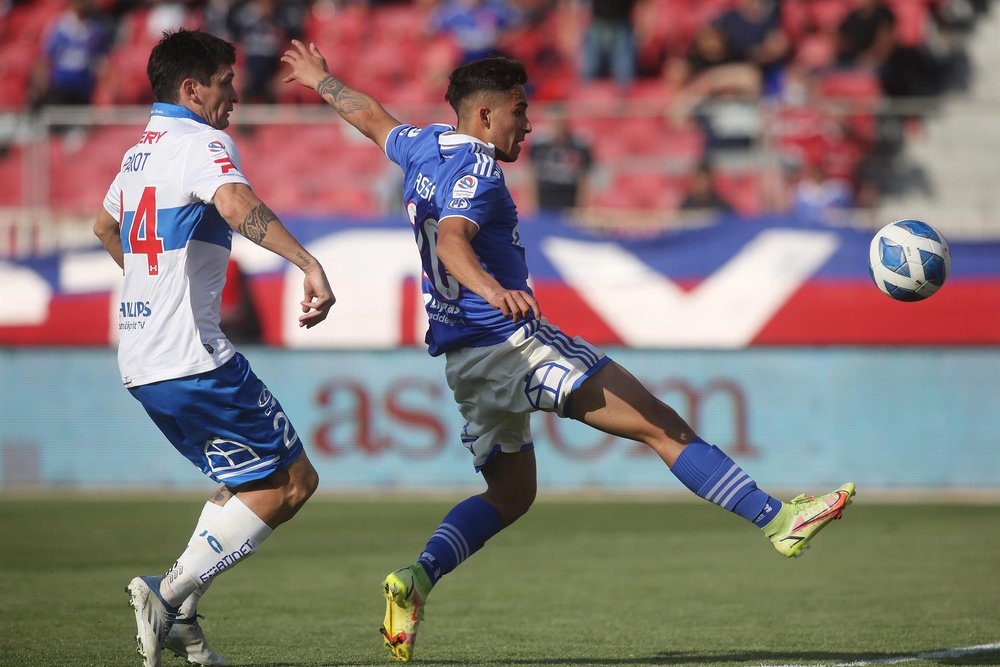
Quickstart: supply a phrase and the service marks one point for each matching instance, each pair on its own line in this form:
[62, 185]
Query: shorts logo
[412, 132]
[227, 458]
[465, 187]
[544, 385]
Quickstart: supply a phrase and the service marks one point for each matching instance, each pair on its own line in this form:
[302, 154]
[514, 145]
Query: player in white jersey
[167, 221]
[504, 361]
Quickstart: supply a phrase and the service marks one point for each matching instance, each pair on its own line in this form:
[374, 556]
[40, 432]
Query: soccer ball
[909, 260]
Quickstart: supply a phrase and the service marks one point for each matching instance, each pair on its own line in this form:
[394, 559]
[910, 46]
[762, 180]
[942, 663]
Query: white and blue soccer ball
[909, 260]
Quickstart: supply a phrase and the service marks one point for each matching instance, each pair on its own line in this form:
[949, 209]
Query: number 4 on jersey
[142, 236]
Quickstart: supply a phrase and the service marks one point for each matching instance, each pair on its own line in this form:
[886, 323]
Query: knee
[301, 487]
[512, 503]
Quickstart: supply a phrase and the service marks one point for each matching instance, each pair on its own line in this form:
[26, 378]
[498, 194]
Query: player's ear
[484, 116]
[189, 90]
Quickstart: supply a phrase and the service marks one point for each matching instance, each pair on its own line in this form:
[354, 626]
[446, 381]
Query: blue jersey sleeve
[399, 142]
[473, 197]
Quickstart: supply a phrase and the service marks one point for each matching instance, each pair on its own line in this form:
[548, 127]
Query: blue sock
[463, 532]
[710, 473]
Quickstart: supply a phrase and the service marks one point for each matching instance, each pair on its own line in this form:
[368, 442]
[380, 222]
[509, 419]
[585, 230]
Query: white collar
[452, 139]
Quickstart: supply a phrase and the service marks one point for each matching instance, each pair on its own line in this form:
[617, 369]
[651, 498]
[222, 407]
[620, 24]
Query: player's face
[217, 98]
[509, 124]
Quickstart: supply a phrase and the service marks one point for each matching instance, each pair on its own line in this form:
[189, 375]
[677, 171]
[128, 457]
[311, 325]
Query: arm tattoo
[254, 227]
[343, 99]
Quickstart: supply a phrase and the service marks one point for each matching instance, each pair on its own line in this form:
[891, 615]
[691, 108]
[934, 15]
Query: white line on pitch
[930, 655]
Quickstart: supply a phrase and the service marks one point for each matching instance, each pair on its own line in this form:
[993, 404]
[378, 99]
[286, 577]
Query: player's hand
[308, 65]
[515, 305]
[318, 298]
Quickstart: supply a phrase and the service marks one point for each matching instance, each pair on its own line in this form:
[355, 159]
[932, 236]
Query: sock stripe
[735, 479]
[453, 538]
[443, 537]
[729, 498]
[459, 537]
[715, 492]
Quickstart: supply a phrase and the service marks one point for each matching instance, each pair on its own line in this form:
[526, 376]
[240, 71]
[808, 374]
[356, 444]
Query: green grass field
[579, 583]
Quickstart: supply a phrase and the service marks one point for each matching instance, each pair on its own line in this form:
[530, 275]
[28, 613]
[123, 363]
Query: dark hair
[492, 74]
[186, 54]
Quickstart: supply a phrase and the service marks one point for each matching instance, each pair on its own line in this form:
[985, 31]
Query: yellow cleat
[405, 592]
[802, 517]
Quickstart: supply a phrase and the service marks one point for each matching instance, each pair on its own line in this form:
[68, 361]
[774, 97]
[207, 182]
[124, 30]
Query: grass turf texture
[573, 583]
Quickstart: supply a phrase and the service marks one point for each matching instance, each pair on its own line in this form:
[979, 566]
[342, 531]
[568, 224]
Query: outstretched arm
[309, 68]
[248, 215]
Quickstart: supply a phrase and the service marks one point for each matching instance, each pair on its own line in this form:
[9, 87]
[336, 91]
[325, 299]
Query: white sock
[233, 534]
[189, 608]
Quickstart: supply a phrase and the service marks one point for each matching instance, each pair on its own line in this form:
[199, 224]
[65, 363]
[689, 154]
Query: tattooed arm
[362, 111]
[251, 217]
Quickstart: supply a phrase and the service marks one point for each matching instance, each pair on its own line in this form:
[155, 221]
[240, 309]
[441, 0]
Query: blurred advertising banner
[734, 284]
[797, 419]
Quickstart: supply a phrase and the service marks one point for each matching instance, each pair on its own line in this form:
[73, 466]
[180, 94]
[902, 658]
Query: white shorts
[498, 387]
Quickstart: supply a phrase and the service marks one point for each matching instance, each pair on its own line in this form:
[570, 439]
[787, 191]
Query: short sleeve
[472, 197]
[113, 198]
[399, 143]
[212, 161]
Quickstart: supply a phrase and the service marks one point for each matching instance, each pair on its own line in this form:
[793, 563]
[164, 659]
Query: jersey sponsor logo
[458, 203]
[216, 146]
[225, 164]
[150, 137]
[465, 187]
[227, 561]
[132, 314]
[130, 309]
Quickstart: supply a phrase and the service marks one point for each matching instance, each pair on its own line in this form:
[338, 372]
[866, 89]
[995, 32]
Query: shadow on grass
[987, 656]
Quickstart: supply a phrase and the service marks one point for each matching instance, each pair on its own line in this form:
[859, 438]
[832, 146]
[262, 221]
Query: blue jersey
[449, 174]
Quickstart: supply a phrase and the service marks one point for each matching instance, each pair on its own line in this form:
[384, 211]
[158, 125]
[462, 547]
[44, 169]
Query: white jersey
[176, 247]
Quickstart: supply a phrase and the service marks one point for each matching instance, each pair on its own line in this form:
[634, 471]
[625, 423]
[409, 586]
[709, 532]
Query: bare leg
[615, 402]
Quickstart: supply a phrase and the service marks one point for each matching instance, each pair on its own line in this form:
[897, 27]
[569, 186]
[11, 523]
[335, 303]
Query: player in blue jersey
[503, 359]
[168, 220]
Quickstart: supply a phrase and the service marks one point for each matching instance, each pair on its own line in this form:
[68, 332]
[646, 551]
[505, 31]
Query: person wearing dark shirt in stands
[609, 44]
[867, 38]
[560, 163]
[702, 194]
[753, 33]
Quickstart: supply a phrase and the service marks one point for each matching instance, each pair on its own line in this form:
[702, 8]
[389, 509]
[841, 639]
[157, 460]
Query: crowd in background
[706, 63]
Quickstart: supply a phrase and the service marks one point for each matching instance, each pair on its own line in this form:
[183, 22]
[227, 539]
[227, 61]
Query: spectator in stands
[609, 47]
[867, 38]
[716, 88]
[561, 163]
[475, 25]
[261, 29]
[702, 194]
[818, 197]
[753, 34]
[74, 51]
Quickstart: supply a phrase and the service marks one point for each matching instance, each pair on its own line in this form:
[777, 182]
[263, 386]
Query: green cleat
[405, 593]
[802, 517]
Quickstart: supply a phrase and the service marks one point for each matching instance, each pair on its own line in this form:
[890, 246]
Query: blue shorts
[225, 421]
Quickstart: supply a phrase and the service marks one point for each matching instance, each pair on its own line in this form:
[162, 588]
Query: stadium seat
[912, 17]
[11, 173]
[124, 80]
[17, 58]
